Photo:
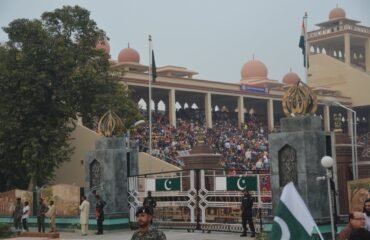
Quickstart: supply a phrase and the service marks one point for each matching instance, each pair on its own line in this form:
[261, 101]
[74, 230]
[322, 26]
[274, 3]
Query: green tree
[51, 72]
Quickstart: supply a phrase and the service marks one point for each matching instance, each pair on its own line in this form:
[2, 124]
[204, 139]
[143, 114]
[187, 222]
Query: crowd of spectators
[244, 148]
[168, 142]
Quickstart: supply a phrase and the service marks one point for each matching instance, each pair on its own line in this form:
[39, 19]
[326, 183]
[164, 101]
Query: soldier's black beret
[146, 210]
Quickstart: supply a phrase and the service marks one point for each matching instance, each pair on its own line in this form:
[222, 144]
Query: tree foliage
[50, 72]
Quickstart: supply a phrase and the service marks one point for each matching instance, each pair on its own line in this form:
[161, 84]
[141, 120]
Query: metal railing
[198, 204]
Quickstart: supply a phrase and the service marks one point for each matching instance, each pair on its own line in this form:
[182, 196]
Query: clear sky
[212, 37]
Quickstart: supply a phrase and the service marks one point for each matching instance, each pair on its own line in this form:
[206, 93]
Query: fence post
[259, 201]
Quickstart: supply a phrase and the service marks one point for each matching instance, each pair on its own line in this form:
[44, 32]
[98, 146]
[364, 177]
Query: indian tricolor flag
[292, 219]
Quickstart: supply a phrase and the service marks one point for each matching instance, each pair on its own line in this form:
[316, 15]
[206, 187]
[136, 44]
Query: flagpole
[305, 18]
[318, 231]
[150, 95]
[259, 201]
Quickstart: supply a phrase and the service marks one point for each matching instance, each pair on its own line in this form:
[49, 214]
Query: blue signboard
[252, 88]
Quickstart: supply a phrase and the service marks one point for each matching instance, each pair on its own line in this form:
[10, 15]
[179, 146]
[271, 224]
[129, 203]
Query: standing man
[17, 214]
[150, 202]
[246, 207]
[25, 216]
[99, 213]
[146, 232]
[51, 214]
[41, 211]
[84, 215]
[367, 214]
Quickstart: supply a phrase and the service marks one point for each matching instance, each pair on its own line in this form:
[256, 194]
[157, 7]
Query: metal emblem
[300, 100]
[110, 124]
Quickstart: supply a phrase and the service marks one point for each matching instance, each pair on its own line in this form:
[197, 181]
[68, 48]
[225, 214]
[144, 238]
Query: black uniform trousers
[100, 225]
[41, 223]
[247, 219]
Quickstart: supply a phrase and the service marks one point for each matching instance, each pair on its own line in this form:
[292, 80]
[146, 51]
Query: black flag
[154, 69]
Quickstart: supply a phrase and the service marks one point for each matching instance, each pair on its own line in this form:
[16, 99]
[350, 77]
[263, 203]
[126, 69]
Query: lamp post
[331, 101]
[327, 162]
[137, 123]
[353, 138]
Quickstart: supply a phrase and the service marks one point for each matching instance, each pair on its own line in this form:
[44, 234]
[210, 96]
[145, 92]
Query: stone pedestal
[201, 157]
[107, 169]
[296, 154]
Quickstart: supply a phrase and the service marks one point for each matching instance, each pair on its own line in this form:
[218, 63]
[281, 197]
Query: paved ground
[171, 235]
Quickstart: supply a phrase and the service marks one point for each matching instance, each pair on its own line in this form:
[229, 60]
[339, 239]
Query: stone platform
[52, 235]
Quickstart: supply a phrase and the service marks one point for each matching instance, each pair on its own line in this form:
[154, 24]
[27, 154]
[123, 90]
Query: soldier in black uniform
[150, 202]
[246, 207]
[99, 213]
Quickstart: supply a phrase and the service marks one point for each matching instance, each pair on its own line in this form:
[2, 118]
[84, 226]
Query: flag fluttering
[292, 218]
[302, 44]
[154, 68]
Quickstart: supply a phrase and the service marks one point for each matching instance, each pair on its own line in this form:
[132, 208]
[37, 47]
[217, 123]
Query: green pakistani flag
[240, 183]
[292, 218]
[302, 45]
[167, 184]
[154, 68]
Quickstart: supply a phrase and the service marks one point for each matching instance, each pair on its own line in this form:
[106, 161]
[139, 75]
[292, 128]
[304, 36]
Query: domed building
[254, 73]
[339, 57]
[334, 73]
[337, 13]
[128, 55]
[253, 70]
[291, 79]
[128, 61]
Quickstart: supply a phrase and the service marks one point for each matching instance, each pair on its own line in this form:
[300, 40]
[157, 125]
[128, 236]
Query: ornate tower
[342, 38]
[296, 151]
[107, 169]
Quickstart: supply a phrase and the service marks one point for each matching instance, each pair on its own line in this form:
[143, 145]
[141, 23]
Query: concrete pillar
[172, 107]
[240, 110]
[331, 52]
[270, 114]
[326, 118]
[350, 122]
[208, 109]
[347, 49]
[367, 55]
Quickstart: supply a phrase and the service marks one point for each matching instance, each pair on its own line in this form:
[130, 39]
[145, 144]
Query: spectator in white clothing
[25, 215]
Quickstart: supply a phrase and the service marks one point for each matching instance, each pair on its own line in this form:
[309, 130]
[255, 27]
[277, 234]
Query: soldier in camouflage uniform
[146, 232]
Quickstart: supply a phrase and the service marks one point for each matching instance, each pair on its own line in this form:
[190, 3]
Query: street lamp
[137, 123]
[353, 138]
[331, 101]
[327, 162]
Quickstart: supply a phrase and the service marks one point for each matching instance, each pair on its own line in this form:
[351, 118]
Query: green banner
[241, 183]
[167, 184]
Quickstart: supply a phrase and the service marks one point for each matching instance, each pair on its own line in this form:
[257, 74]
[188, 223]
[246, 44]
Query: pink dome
[254, 69]
[337, 13]
[128, 55]
[103, 45]
[291, 78]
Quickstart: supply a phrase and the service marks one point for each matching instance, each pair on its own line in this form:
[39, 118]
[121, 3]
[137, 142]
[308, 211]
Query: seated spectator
[356, 221]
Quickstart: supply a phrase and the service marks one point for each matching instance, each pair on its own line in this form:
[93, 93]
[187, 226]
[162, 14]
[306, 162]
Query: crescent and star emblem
[285, 234]
[166, 186]
[240, 182]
